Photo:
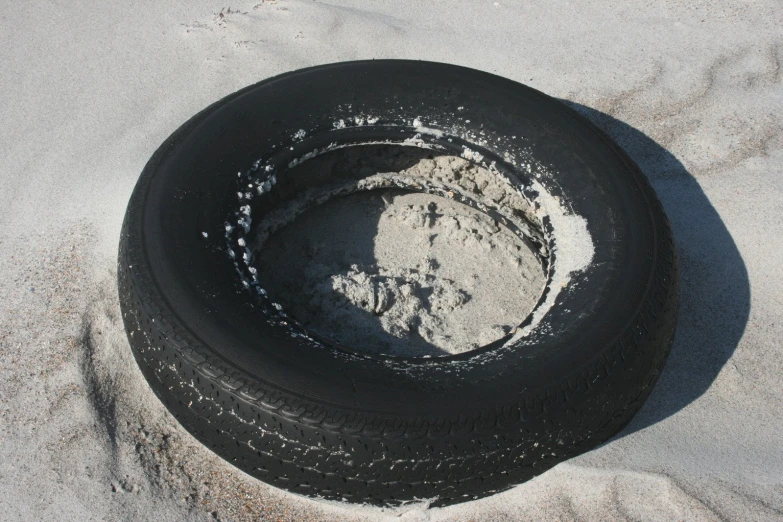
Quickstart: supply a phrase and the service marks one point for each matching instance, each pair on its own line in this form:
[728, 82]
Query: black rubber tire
[324, 421]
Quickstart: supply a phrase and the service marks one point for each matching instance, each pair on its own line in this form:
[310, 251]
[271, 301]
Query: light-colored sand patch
[402, 273]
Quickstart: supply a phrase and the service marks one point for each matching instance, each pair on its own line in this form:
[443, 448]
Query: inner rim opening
[387, 268]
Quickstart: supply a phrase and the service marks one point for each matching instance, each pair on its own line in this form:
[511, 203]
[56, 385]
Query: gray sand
[403, 273]
[693, 90]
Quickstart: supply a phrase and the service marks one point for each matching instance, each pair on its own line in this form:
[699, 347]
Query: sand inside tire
[404, 273]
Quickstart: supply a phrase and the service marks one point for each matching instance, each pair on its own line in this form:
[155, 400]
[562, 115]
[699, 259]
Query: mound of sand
[404, 273]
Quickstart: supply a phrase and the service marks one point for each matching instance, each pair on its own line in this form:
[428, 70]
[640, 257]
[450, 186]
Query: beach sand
[692, 90]
[398, 272]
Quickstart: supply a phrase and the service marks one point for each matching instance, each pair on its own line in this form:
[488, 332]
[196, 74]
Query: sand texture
[402, 273]
[692, 90]
[419, 275]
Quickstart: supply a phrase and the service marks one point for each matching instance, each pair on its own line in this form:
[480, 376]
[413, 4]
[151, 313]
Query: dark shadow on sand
[348, 225]
[715, 290]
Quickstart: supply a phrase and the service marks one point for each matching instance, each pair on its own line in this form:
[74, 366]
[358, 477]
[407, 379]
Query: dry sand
[434, 277]
[398, 272]
[691, 89]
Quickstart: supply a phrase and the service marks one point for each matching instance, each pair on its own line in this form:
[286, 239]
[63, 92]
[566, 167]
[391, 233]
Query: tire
[330, 422]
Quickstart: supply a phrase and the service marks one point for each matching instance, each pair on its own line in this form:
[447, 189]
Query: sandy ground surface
[399, 272]
[691, 89]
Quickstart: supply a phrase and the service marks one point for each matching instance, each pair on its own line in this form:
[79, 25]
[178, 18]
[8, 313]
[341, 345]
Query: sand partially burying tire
[402, 273]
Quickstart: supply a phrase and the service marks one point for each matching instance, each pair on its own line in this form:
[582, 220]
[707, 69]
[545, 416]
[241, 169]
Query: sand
[399, 272]
[691, 89]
